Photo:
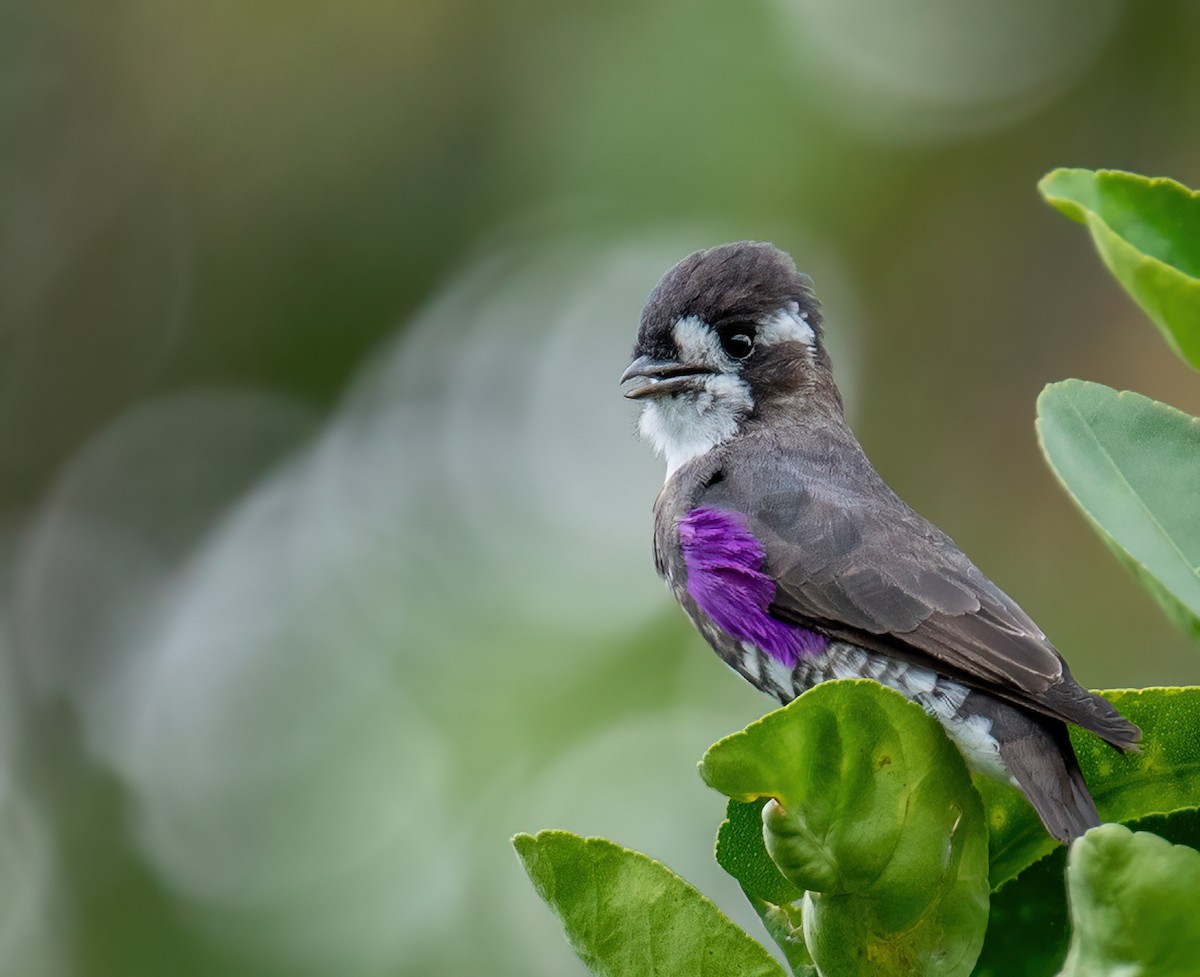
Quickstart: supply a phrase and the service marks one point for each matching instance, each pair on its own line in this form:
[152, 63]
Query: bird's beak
[660, 377]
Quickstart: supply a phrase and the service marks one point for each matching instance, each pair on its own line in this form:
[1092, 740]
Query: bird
[798, 564]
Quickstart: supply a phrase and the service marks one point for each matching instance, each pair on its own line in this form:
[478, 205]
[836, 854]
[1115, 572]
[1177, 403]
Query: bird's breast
[724, 575]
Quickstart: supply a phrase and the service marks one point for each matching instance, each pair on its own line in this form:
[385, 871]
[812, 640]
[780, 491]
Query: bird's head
[729, 335]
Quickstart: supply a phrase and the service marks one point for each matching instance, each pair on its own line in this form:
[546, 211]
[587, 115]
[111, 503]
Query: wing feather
[852, 559]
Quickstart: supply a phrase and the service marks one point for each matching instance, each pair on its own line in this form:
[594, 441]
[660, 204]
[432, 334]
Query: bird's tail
[1093, 712]
[1112, 727]
[1044, 765]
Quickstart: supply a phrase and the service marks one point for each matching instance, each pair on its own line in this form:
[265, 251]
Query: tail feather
[1114, 728]
[1094, 713]
[1043, 763]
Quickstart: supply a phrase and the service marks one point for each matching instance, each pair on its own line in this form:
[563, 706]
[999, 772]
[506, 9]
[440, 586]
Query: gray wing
[853, 560]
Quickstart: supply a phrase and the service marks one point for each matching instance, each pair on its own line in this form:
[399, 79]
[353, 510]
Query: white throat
[684, 426]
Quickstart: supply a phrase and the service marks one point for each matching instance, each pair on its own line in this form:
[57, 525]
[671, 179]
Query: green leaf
[1135, 906]
[1178, 827]
[1028, 928]
[1163, 777]
[1027, 924]
[627, 915]
[1133, 466]
[870, 809]
[742, 852]
[1148, 234]
[785, 924]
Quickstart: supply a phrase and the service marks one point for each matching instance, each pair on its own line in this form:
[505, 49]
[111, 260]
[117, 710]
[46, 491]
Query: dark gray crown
[745, 280]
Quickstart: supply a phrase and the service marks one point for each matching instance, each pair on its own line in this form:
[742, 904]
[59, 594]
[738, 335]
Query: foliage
[1133, 905]
[1164, 776]
[1145, 231]
[1030, 923]
[853, 826]
[626, 914]
[871, 814]
[1133, 466]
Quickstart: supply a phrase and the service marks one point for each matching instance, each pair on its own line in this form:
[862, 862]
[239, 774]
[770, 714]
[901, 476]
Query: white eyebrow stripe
[697, 342]
[789, 324]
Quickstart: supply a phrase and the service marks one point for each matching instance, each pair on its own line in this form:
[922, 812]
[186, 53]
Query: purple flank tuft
[725, 578]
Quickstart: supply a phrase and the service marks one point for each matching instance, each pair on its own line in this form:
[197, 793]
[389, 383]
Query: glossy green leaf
[627, 915]
[1135, 906]
[871, 811]
[1028, 928]
[1148, 234]
[1133, 466]
[1027, 924]
[785, 924]
[742, 852]
[1163, 777]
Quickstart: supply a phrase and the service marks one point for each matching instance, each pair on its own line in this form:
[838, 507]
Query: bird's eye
[737, 340]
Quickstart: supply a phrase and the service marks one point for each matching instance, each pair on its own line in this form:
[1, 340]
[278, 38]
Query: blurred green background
[326, 537]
